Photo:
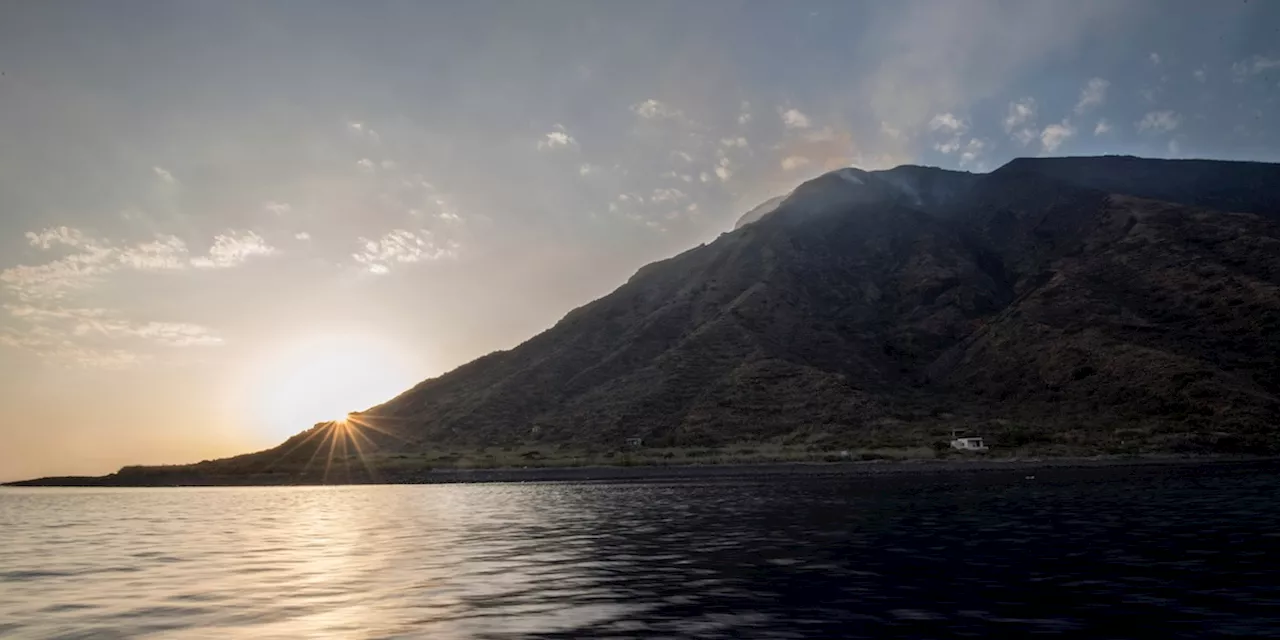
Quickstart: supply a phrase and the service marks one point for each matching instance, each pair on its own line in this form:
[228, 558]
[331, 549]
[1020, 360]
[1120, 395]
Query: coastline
[656, 473]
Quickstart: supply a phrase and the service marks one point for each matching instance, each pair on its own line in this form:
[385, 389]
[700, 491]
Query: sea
[1150, 551]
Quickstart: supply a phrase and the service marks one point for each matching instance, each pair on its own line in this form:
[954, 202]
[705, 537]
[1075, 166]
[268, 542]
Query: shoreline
[654, 473]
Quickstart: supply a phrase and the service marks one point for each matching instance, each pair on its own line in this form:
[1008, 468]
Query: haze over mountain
[1045, 304]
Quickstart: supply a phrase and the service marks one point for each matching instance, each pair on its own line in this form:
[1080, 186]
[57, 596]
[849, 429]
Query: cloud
[655, 109]
[791, 163]
[55, 347]
[172, 334]
[278, 208]
[91, 259]
[363, 130]
[1243, 69]
[950, 146]
[1020, 120]
[1159, 121]
[75, 335]
[667, 195]
[558, 137]
[948, 123]
[724, 173]
[890, 130]
[739, 142]
[52, 236]
[943, 56]
[95, 258]
[682, 155]
[1199, 74]
[1173, 147]
[973, 152]
[302, 235]
[402, 246]
[164, 175]
[233, 248]
[705, 177]
[388, 164]
[794, 119]
[744, 113]
[1092, 95]
[365, 165]
[1054, 135]
[44, 315]
[1102, 127]
[1154, 57]
[586, 169]
[164, 253]
[449, 217]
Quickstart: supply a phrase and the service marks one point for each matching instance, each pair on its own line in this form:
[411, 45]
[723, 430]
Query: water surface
[1185, 551]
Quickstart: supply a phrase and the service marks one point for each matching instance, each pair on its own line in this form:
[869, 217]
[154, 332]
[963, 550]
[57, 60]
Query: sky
[221, 222]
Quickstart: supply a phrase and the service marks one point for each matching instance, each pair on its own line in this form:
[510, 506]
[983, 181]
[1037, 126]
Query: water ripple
[1121, 552]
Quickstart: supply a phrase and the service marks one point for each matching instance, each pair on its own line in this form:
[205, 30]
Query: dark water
[1165, 552]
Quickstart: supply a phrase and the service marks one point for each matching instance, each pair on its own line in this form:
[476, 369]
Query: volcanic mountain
[1085, 304]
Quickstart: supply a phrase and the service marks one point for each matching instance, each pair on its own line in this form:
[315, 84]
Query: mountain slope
[1051, 304]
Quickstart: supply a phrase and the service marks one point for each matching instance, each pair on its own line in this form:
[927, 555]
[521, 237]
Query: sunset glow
[322, 379]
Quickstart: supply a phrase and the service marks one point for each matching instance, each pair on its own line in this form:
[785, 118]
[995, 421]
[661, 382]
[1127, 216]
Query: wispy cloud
[365, 165]
[791, 163]
[233, 248]
[557, 138]
[363, 131]
[1159, 121]
[172, 334]
[1054, 135]
[56, 347]
[1020, 121]
[971, 157]
[164, 253]
[795, 119]
[48, 238]
[948, 146]
[94, 258]
[655, 109]
[744, 113]
[663, 194]
[1154, 57]
[302, 235]
[278, 208]
[1244, 69]
[402, 246]
[1092, 95]
[948, 123]
[95, 337]
[1102, 127]
[722, 170]
[953, 127]
[164, 174]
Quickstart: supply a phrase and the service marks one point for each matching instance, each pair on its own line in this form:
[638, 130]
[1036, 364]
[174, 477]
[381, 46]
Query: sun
[322, 379]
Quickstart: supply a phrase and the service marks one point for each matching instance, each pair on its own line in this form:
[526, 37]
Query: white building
[969, 444]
